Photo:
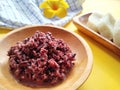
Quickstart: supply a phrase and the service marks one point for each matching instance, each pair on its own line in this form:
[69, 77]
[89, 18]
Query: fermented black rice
[40, 60]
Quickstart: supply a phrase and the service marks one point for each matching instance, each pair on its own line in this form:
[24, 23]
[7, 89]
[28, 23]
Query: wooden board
[80, 22]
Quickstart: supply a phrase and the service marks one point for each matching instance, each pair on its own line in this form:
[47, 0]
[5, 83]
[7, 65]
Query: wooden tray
[80, 22]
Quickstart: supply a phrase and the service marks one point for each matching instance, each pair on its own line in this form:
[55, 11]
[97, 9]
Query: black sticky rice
[40, 60]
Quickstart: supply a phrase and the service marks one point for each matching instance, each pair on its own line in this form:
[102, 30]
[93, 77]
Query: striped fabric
[17, 13]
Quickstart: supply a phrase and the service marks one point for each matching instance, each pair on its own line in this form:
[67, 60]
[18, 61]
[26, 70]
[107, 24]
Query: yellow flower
[54, 8]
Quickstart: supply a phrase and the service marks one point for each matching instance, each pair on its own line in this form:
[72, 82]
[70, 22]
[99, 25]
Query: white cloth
[17, 13]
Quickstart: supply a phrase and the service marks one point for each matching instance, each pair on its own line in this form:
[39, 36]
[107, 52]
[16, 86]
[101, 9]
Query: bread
[93, 20]
[106, 25]
[116, 33]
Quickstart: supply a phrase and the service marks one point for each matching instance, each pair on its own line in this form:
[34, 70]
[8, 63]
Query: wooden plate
[78, 75]
[80, 22]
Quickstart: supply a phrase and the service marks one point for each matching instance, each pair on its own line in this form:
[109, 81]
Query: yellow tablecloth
[106, 68]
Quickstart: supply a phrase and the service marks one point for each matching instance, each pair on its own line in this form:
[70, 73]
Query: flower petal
[61, 12]
[64, 4]
[49, 13]
[44, 5]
